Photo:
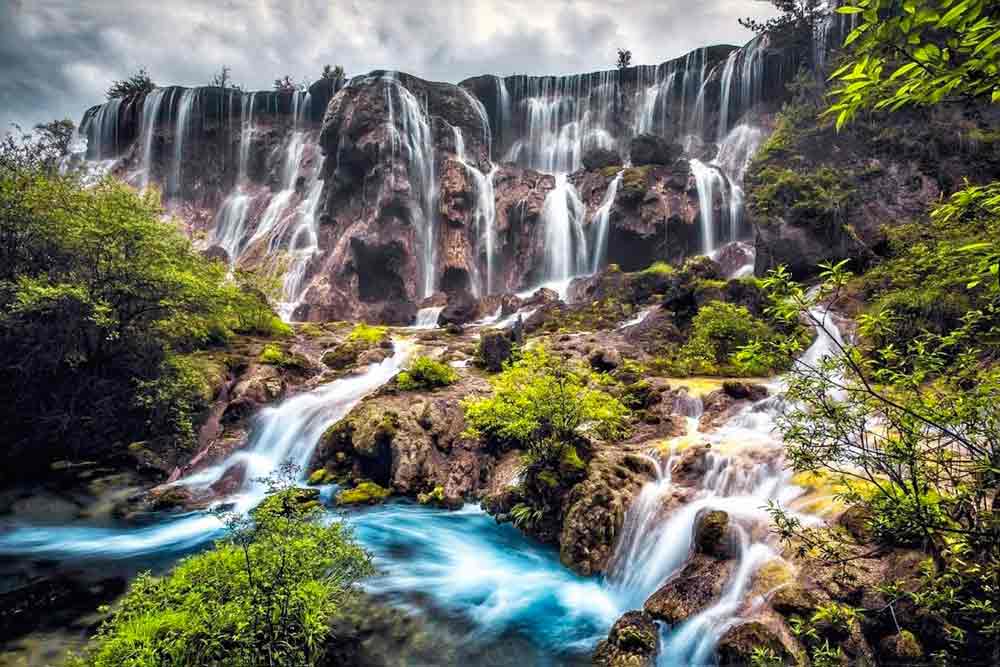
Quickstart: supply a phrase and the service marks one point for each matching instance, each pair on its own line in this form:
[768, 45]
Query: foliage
[426, 373]
[335, 74]
[55, 136]
[525, 517]
[263, 596]
[223, 79]
[98, 297]
[660, 268]
[911, 426]
[542, 401]
[365, 493]
[918, 53]
[136, 84]
[285, 84]
[38, 152]
[719, 331]
[624, 59]
[368, 334]
[795, 14]
[763, 656]
[816, 199]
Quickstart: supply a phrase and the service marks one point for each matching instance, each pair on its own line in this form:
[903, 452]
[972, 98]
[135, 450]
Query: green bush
[99, 297]
[542, 398]
[264, 596]
[426, 373]
[719, 332]
[367, 333]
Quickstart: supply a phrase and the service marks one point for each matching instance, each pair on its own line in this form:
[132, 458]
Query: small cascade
[562, 117]
[413, 141]
[182, 124]
[101, 131]
[247, 130]
[710, 183]
[150, 114]
[427, 318]
[565, 243]
[727, 84]
[303, 244]
[484, 215]
[602, 222]
[636, 319]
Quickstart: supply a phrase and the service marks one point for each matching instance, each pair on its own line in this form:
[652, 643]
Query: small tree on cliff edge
[285, 84]
[624, 58]
[139, 83]
[795, 14]
[224, 79]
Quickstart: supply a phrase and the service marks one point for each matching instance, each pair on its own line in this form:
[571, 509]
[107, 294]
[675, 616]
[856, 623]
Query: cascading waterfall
[710, 182]
[485, 212]
[602, 220]
[411, 134]
[150, 114]
[565, 243]
[101, 130]
[303, 244]
[185, 106]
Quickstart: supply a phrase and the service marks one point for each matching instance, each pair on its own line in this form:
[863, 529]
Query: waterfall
[247, 129]
[150, 114]
[101, 130]
[410, 130]
[503, 111]
[181, 127]
[484, 214]
[427, 318]
[602, 219]
[727, 84]
[565, 244]
[286, 433]
[303, 244]
[709, 181]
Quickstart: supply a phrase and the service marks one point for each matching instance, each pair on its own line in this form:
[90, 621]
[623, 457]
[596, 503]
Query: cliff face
[378, 196]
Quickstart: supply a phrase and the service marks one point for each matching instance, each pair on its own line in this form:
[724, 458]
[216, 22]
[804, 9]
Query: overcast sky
[58, 56]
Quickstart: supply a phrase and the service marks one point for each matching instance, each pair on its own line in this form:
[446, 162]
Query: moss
[548, 478]
[272, 354]
[321, 477]
[365, 493]
[635, 180]
[434, 497]
[659, 269]
[571, 459]
[369, 334]
[805, 198]
[611, 172]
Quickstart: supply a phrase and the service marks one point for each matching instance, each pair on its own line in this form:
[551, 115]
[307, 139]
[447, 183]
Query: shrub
[542, 398]
[368, 334]
[719, 331]
[426, 373]
[138, 83]
[263, 596]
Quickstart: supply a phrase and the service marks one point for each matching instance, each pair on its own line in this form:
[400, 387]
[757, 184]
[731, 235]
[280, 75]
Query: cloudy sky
[58, 56]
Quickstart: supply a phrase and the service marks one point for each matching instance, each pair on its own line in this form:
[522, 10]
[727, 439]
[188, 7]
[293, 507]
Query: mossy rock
[365, 493]
[901, 648]
[321, 477]
[433, 497]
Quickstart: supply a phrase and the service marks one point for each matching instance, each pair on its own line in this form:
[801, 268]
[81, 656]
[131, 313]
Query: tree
[624, 58]
[795, 15]
[335, 74]
[285, 84]
[136, 84]
[918, 53]
[56, 135]
[262, 597]
[223, 79]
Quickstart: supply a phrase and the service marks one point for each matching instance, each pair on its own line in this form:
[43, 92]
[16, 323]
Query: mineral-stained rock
[691, 590]
[738, 643]
[744, 390]
[633, 642]
[599, 158]
[495, 348]
[711, 534]
[605, 359]
[653, 149]
[462, 308]
[595, 508]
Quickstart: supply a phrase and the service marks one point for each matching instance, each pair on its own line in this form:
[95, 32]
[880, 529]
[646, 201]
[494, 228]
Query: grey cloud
[58, 56]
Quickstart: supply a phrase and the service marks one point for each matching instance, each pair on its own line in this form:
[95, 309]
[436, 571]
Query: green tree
[56, 136]
[263, 597]
[918, 53]
[335, 74]
[224, 79]
[136, 84]
[794, 14]
[624, 59]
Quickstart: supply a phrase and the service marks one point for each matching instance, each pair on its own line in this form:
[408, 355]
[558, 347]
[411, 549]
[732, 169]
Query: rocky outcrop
[634, 641]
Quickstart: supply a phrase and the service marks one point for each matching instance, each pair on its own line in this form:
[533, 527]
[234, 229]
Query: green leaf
[848, 9]
[902, 70]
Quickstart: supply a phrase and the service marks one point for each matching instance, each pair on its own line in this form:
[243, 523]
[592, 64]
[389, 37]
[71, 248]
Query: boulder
[605, 359]
[495, 348]
[599, 158]
[711, 534]
[693, 589]
[653, 149]
[634, 641]
[747, 391]
[737, 645]
[462, 308]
